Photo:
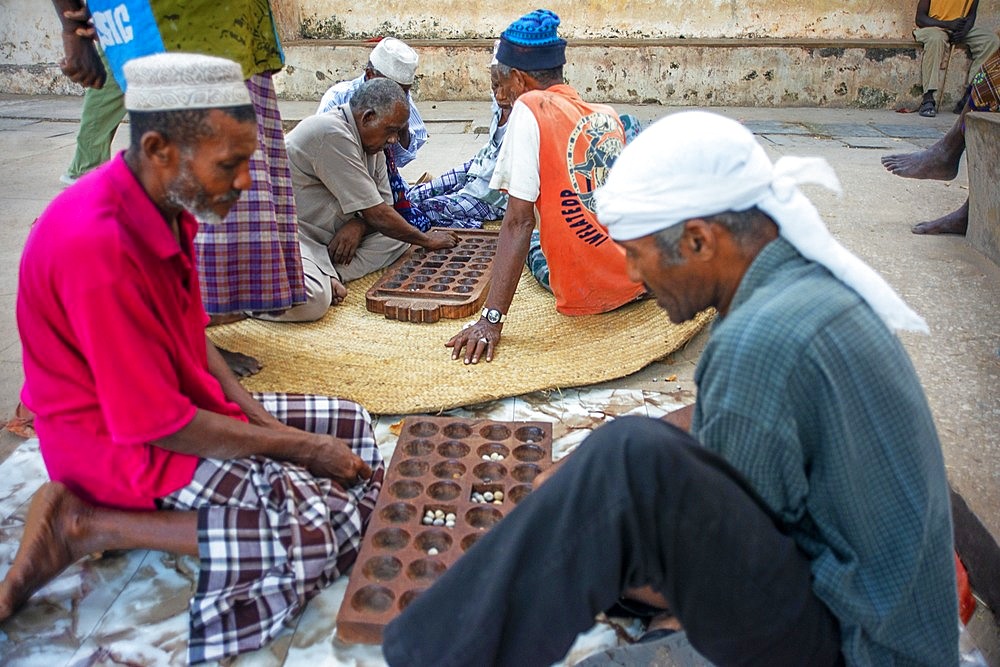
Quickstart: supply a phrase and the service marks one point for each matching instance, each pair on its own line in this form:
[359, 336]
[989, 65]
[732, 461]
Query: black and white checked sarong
[270, 534]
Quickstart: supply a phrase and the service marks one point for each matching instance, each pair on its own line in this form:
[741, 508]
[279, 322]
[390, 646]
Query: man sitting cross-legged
[148, 437]
[348, 227]
[804, 520]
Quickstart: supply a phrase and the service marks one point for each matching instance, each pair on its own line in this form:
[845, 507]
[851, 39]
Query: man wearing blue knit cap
[557, 151]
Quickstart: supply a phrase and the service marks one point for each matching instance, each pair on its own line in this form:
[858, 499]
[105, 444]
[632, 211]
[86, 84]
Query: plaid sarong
[251, 261]
[270, 534]
[536, 262]
[983, 88]
[442, 202]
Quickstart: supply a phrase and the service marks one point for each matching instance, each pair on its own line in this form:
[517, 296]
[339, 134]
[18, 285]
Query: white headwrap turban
[696, 164]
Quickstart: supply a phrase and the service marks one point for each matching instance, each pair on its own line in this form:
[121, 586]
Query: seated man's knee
[638, 439]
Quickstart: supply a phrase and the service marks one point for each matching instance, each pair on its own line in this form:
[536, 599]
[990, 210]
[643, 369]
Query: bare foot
[339, 292]
[241, 364]
[956, 222]
[53, 540]
[936, 163]
[216, 320]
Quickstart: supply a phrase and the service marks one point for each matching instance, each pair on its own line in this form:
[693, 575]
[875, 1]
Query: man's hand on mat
[479, 339]
[331, 457]
[346, 241]
[240, 364]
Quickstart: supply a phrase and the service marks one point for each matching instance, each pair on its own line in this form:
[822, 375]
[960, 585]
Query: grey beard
[203, 216]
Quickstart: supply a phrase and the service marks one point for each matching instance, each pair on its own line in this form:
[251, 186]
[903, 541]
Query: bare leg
[61, 529]
[939, 162]
[956, 222]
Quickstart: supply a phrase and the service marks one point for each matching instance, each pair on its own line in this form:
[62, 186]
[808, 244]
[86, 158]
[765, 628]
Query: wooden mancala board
[426, 285]
[450, 469]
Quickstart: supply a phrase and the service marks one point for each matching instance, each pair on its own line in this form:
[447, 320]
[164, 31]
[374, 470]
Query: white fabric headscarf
[695, 164]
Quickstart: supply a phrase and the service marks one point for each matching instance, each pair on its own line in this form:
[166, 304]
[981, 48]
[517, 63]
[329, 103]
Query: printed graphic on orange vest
[594, 145]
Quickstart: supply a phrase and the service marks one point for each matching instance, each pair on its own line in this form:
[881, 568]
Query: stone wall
[856, 53]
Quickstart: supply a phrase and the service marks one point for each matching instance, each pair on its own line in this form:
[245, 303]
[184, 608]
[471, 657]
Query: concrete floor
[953, 286]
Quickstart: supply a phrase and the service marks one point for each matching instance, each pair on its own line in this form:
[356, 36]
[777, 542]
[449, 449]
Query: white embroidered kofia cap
[171, 81]
[395, 60]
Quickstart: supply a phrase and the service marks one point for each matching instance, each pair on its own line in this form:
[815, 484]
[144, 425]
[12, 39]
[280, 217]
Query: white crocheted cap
[395, 60]
[172, 81]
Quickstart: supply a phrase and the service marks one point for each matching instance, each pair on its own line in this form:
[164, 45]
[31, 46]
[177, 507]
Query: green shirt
[806, 392]
[241, 30]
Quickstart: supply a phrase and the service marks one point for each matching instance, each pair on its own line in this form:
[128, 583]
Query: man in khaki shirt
[347, 225]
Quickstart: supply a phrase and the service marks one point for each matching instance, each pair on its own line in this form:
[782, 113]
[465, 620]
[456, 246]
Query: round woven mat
[393, 367]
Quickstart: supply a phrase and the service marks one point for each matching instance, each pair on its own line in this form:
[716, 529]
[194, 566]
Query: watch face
[492, 316]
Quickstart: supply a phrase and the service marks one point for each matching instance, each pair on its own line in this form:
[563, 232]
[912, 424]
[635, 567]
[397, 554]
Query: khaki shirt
[333, 179]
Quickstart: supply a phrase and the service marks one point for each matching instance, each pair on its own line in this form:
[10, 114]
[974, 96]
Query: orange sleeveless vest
[578, 144]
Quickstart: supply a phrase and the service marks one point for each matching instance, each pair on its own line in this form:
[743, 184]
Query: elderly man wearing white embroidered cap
[804, 520]
[395, 60]
[137, 412]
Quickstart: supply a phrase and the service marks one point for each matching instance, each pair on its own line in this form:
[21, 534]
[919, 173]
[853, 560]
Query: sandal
[928, 109]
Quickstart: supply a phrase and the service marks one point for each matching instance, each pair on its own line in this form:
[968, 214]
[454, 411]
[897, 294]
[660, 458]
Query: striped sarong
[250, 261]
[270, 534]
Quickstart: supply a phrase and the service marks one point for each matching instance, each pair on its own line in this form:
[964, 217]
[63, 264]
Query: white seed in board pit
[449, 524]
[498, 495]
[450, 516]
[488, 496]
[432, 552]
[497, 502]
[428, 520]
[486, 457]
[438, 522]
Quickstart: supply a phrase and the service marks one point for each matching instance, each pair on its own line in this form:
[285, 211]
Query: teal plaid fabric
[806, 392]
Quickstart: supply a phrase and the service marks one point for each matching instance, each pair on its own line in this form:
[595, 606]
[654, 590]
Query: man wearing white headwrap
[136, 409]
[805, 518]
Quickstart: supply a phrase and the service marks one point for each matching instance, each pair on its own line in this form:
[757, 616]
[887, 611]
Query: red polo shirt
[113, 334]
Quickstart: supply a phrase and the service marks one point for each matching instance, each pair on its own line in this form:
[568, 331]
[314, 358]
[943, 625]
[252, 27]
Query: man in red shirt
[149, 439]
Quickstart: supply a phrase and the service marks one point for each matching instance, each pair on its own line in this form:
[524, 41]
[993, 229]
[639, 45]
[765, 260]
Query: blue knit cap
[531, 43]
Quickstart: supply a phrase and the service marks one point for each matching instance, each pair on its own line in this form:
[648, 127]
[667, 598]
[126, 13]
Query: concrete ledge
[835, 73]
[982, 146]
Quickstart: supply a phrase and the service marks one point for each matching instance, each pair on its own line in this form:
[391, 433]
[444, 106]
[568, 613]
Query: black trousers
[639, 503]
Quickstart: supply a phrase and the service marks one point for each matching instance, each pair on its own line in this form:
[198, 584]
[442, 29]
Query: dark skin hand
[958, 29]
[481, 339]
[346, 241]
[80, 61]
[213, 435]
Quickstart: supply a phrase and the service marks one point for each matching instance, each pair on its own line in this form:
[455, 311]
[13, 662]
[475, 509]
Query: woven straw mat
[393, 367]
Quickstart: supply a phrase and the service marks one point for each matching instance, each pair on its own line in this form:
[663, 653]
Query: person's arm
[961, 32]
[512, 250]
[385, 219]
[235, 391]
[925, 20]
[211, 435]
[80, 61]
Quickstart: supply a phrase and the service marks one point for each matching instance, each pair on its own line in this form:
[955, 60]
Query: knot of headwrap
[697, 164]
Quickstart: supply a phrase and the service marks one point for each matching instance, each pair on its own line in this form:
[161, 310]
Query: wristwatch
[493, 316]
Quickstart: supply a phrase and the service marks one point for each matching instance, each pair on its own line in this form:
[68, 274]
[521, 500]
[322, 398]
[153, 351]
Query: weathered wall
[621, 50]
[352, 19]
[653, 74]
